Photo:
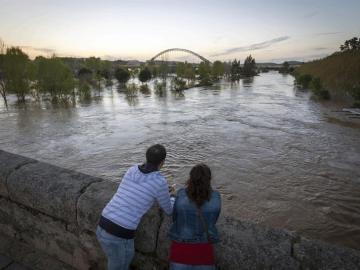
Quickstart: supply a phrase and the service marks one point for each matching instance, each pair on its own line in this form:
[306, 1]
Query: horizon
[137, 30]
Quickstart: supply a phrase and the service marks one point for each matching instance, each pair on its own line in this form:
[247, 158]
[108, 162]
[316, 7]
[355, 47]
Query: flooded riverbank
[277, 157]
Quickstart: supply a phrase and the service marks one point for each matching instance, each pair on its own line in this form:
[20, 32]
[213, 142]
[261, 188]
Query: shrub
[304, 80]
[122, 75]
[145, 75]
[318, 90]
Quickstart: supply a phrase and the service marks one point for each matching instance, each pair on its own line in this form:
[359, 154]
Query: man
[139, 188]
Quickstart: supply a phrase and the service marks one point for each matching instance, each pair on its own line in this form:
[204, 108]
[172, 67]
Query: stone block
[318, 255]
[163, 244]
[28, 256]
[16, 266]
[49, 189]
[147, 232]
[43, 233]
[144, 262]
[9, 163]
[92, 202]
[245, 245]
[4, 261]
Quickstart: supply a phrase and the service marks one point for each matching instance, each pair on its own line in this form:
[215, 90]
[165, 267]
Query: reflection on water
[277, 158]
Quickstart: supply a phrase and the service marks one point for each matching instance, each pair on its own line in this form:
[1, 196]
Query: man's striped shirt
[134, 197]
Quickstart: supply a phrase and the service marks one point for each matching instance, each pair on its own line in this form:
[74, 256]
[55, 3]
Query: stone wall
[48, 216]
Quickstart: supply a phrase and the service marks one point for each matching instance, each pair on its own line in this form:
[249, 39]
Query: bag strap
[205, 227]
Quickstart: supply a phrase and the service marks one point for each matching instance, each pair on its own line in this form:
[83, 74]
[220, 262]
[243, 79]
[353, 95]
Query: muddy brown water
[277, 157]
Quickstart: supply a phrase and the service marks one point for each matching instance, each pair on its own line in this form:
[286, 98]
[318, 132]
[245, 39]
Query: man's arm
[163, 198]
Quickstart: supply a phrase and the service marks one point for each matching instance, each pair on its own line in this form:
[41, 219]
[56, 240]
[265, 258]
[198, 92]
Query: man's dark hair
[155, 154]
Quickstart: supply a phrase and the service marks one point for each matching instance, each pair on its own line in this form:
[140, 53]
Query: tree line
[63, 79]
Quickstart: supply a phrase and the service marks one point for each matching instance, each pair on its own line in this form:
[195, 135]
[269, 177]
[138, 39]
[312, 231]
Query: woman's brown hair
[198, 186]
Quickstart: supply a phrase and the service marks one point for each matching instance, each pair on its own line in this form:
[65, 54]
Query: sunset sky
[275, 30]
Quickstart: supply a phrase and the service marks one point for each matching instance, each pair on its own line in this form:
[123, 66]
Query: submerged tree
[204, 71]
[17, 71]
[55, 78]
[249, 68]
[2, 77]
[144, 75]
[122, 75]
[185, 71]
[218, 70]
[163, 70]
[235, 70]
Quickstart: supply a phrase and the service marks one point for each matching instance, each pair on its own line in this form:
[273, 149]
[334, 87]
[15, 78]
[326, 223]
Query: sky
[271, 31]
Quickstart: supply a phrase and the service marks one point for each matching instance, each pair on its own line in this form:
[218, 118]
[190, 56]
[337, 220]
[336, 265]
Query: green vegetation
[337, 73]
[178, 84]
[351, 45]
[286, 68]
[54, 77]
[218, 70]
[66, 79]
[122, 75]
[304, 80]
[185, 71]
[2, 75]
[160, 88]
[204, 72]
[144, 75]
[131, 90]
[249, 68]
[17, 70]
[235, 71]
[144, 89]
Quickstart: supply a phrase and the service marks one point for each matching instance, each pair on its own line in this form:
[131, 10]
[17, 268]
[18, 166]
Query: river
[277, 157]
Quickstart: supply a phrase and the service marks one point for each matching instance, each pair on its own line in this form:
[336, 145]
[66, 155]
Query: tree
[189, 72]
[204, 71]
[163, 69]
[318, 89]
[2, 47]
[218, 70]
[185, 70]
[95, 65]
[180, 69]
[304, 80]
[55, 78]
[249, 68]
[235, 70]
[122, 75]
[2, 77]
[144, 75]
[285, 67]
[351, 44]
[16, 72]
[85, 75]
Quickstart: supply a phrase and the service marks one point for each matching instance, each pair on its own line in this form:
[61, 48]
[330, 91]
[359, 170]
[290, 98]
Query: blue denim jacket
[187, 225]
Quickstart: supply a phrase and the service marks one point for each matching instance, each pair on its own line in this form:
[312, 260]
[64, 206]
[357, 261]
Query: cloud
[253, 47]
[37, 49]
[327, 33]
[320, 48]
[311, 14]
[304, 58]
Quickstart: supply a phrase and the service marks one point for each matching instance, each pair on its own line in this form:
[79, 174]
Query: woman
[193, 232]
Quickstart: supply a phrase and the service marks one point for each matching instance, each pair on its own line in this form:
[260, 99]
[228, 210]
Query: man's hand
[172, 190]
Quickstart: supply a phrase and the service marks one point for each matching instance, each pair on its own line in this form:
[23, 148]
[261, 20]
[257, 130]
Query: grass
[339, 73]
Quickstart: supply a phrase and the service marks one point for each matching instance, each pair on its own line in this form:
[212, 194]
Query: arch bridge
[163, 54]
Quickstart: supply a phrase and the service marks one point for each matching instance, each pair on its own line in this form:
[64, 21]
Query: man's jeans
[119, 251]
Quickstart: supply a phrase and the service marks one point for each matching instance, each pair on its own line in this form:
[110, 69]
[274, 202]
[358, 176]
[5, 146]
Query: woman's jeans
[119, 251]
[179, 266]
